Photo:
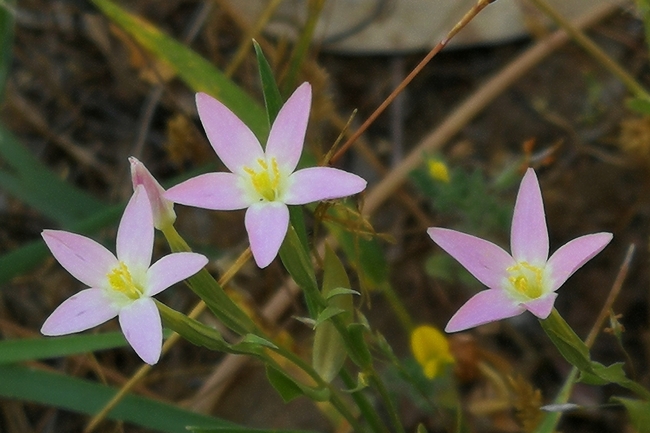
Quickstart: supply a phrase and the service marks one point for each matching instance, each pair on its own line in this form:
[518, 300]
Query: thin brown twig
[613, 294]
[475, 104]
[482, 4]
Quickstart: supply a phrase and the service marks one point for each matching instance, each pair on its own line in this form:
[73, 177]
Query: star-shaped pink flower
[525, 280]
[264, 181]
[119, 286]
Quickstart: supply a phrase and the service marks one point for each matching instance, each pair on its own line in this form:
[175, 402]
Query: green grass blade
[26, 257]
[33, 183]
[44, 348]
[199, 74]
[82, 396]
[272, 97]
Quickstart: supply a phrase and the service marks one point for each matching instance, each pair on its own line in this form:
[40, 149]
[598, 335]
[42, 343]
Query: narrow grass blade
[44, 348]
[82, 396]
[27, 179]
[199, 74]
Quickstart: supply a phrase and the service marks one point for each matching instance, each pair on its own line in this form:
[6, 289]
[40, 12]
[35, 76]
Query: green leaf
[258, 341]
[44, 348]
[639, 412]
[297, 218]
[338, 292]
[359, 353]
[329, 352]
[301, 48]
[327, 314]
[82, 396]
[603, 375]
[287, 388]
[297, 262]
[199, 74]
[639, 105]
[272, 97]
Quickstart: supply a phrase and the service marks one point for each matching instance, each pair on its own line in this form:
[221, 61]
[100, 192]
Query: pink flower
[119, 286]
[264, 181]
[163, 209]
[525, 280]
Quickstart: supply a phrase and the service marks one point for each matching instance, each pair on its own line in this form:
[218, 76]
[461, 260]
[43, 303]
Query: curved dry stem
[482, 4]
[475, 104]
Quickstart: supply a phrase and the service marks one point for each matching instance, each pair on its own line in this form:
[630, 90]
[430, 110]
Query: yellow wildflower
[438, 170]
[430, 349]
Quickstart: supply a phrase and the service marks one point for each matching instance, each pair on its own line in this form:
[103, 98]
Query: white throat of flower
[525, 281]
[121, 281]
[266, 179]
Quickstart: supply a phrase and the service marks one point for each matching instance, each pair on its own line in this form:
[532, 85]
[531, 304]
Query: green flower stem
[369, 370]
[334, 398]
[398, 307]
[369, 413]
[388, 402]
[211, 291]
[590, 47]
[577, 353]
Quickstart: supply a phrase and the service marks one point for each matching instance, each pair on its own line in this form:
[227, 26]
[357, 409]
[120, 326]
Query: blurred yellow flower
[430, 349]
[438, 170]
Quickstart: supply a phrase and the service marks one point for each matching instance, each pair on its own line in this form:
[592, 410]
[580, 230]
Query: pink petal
[266, 224]
[82, 311]
[322, 183]
[135, 232]
[529, 236]
[485, 260]
[572, 255]
[541, 307]
[287, 135]
[484, 307]
[141, 325]
[171, 269]
[216, 191]
[162, 209]
[85, 259]
[233, 142]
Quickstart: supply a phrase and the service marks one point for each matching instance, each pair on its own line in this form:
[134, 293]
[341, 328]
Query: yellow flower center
[121, 281]
[527, 279]
[266, 178]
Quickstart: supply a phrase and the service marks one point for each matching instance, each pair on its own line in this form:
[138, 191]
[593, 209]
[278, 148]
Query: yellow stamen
[527, 279]
[121, 281]
[266, 180]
